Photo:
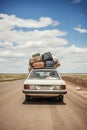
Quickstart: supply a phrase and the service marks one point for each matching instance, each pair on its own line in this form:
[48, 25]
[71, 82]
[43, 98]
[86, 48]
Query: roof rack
[46, 68]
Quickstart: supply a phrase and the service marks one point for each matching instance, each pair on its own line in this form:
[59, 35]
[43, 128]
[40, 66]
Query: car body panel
[44, 82]
[44, 87]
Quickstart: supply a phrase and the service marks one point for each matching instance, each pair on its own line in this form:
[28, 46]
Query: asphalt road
[41, 114]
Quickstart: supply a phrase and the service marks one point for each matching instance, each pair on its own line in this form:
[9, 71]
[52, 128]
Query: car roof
[51, 68]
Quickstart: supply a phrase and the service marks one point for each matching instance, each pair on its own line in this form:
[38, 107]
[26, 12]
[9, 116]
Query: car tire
[61, 98]
[27, 98]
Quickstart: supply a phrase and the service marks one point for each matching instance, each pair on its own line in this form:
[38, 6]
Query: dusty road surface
[41, 114]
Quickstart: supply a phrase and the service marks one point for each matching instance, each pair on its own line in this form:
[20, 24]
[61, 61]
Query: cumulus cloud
[21, 36]
[11, 36]
[10, 21]
[81, 30]
[72, 58]
[9, 53]
[17, 45]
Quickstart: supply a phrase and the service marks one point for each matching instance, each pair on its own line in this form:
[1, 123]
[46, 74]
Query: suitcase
[47, 56]
[57, 65]
[38, 65]
[49, 63]
[35, 59]
[55, 61]
[35, 55]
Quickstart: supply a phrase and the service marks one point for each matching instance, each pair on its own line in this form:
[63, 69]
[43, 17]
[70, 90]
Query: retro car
[44, 83]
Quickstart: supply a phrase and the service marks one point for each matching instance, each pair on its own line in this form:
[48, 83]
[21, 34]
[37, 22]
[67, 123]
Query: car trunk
[45, 84]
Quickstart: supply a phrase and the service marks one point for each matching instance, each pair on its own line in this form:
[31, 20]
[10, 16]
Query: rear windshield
[44, 75]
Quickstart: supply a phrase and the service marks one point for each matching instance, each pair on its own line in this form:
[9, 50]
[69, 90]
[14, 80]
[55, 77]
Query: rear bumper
[44, 92]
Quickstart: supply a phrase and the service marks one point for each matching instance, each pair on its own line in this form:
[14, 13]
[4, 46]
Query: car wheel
[27, 98]
[61, 98]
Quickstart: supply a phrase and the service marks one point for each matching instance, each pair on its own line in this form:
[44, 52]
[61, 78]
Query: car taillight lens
[62, 86]
[26, 86]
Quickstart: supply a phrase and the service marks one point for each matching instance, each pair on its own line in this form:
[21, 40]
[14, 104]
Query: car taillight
[62, 86]
[26, 86]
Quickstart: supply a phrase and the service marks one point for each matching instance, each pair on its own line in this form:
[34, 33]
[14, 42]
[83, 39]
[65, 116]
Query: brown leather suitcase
[35, 55]
[35, 59]
[38, 65]
[57, 65]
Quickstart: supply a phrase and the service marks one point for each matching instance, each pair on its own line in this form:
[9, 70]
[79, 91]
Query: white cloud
[36, 38]
[10, 21]
[11, 53]
[74, 49]
[77, 1]
[21, 36]
[72, 59]
[81, 30]
[17, 46]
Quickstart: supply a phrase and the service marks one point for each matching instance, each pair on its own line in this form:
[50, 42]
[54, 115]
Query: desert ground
[42, 114]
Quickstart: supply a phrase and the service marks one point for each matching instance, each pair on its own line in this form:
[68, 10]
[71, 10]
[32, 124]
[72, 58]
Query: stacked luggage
[43, 61]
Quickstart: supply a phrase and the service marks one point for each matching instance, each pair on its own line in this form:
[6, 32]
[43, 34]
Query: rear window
[44, 74]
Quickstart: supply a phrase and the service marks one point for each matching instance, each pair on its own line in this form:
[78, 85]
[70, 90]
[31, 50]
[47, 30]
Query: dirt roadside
[40, 114]
[77, 79]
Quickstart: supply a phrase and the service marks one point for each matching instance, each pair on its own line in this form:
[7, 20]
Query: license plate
[44, 87]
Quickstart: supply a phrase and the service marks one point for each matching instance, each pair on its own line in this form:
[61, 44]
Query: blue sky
[31, 26]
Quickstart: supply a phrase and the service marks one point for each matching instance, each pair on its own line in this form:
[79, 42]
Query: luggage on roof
[35, 59]
[38, 65]
[35, 55]
[47, 56]
[46, 60]
[49, 63]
